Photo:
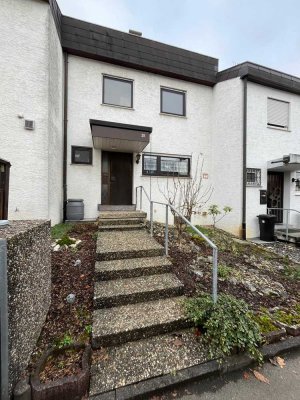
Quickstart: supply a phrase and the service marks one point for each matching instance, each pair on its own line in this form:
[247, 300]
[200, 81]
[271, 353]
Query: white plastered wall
[265, 144]
[227, 148]
[31, 73]
[170, 135]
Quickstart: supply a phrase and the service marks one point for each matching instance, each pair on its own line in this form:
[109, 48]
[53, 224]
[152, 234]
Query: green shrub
[66, 240]
[228, 325]
[224, 271]
[60, 230]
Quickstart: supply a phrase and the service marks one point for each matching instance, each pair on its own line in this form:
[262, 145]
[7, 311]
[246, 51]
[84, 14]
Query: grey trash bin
[75, 210]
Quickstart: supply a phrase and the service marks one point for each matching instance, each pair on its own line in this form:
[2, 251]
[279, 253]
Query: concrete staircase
[137, 299]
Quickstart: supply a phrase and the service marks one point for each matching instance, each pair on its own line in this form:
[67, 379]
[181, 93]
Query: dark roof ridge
[260, 67]
[142, 38]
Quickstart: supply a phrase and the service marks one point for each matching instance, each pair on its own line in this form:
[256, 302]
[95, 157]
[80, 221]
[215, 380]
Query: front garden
[259, 294]
[259, 290]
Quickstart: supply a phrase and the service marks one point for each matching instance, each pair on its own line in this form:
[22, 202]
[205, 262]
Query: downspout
[65, 140]
[244, 196]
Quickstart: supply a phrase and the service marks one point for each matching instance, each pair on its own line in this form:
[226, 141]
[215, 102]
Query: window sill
[115, 106]
[82, 165]
[254, 186]
[165, 176]
[278, 129]
[173, 115]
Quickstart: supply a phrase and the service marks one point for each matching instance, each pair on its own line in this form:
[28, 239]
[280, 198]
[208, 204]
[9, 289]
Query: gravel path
[284, 249]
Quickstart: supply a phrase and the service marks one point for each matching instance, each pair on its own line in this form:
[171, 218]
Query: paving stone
[104, 228]
[118, 366]
[133, 290]
[119, 245]
[131, 267]
[135, 321]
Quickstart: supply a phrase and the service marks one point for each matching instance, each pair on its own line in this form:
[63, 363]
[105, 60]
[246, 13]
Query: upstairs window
[117, 91]
[172, 102]
[278, 114]
[161, 165]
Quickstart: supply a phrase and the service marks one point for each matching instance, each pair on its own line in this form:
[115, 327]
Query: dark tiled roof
[105, 44]
[262, 75]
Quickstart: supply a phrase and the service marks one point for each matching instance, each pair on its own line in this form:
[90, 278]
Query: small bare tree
[188, 196]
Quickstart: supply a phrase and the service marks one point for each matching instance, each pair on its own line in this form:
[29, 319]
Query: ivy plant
[228, 325]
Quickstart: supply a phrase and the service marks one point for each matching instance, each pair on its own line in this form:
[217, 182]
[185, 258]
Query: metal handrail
[208, 241]
[288, 211]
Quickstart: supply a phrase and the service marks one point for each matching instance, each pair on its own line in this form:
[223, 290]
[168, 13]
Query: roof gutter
[244, 195]
[65, 138]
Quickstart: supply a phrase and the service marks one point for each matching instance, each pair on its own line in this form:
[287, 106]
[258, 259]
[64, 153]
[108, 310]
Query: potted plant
[73, 386]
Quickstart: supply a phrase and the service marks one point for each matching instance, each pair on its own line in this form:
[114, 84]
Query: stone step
[131, 267]
[103, 207]
[112, 326]
[127, 244]
[122, 214]
[120, 221]
[133, 290]
[119, 366]
[109, 228]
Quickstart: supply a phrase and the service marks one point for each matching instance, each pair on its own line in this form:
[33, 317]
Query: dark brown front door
[275, 194]
[116, 185]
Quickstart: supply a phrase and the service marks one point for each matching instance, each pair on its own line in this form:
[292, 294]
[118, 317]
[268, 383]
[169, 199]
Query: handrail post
[215, 275]
[151, 218]
[167, 231]
[141, 194]
[136, 196]
[287, 225]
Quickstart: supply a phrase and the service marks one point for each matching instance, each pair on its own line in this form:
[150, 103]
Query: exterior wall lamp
[137, 158]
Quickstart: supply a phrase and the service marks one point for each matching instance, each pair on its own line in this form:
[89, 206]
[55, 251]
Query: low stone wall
[29, 289]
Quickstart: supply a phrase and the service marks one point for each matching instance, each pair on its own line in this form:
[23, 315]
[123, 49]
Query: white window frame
[257, 174]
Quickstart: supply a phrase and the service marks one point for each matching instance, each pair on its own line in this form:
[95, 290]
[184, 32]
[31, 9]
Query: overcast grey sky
[266, 32]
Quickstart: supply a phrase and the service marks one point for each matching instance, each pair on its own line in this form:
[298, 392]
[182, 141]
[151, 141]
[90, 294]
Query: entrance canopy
[112, 136]
[290, 162]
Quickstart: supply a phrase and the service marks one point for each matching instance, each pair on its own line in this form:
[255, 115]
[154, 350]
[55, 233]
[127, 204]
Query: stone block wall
[29, 288]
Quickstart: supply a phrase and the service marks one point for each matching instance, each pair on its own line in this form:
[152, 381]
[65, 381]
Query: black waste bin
[266, 226]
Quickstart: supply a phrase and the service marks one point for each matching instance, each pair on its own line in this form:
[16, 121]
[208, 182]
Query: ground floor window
[163, 165]
[82, 155]
[297, 181]
[253, 177]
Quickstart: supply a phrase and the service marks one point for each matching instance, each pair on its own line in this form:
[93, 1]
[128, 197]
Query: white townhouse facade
[109, 111]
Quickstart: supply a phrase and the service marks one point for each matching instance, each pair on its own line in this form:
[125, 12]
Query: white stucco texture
[30, 56]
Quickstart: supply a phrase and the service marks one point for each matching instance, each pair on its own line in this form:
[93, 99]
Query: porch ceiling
[287, 163]
[112, 136]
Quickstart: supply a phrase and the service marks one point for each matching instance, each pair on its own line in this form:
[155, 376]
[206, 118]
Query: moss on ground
[265, 323]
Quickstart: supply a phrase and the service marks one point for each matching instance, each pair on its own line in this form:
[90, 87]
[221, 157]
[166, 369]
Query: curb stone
[201, 371]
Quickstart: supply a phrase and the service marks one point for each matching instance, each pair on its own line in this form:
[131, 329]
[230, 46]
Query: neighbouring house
[91, 113]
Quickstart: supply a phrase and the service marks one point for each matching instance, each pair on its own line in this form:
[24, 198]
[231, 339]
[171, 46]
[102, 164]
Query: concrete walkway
[284, 384]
